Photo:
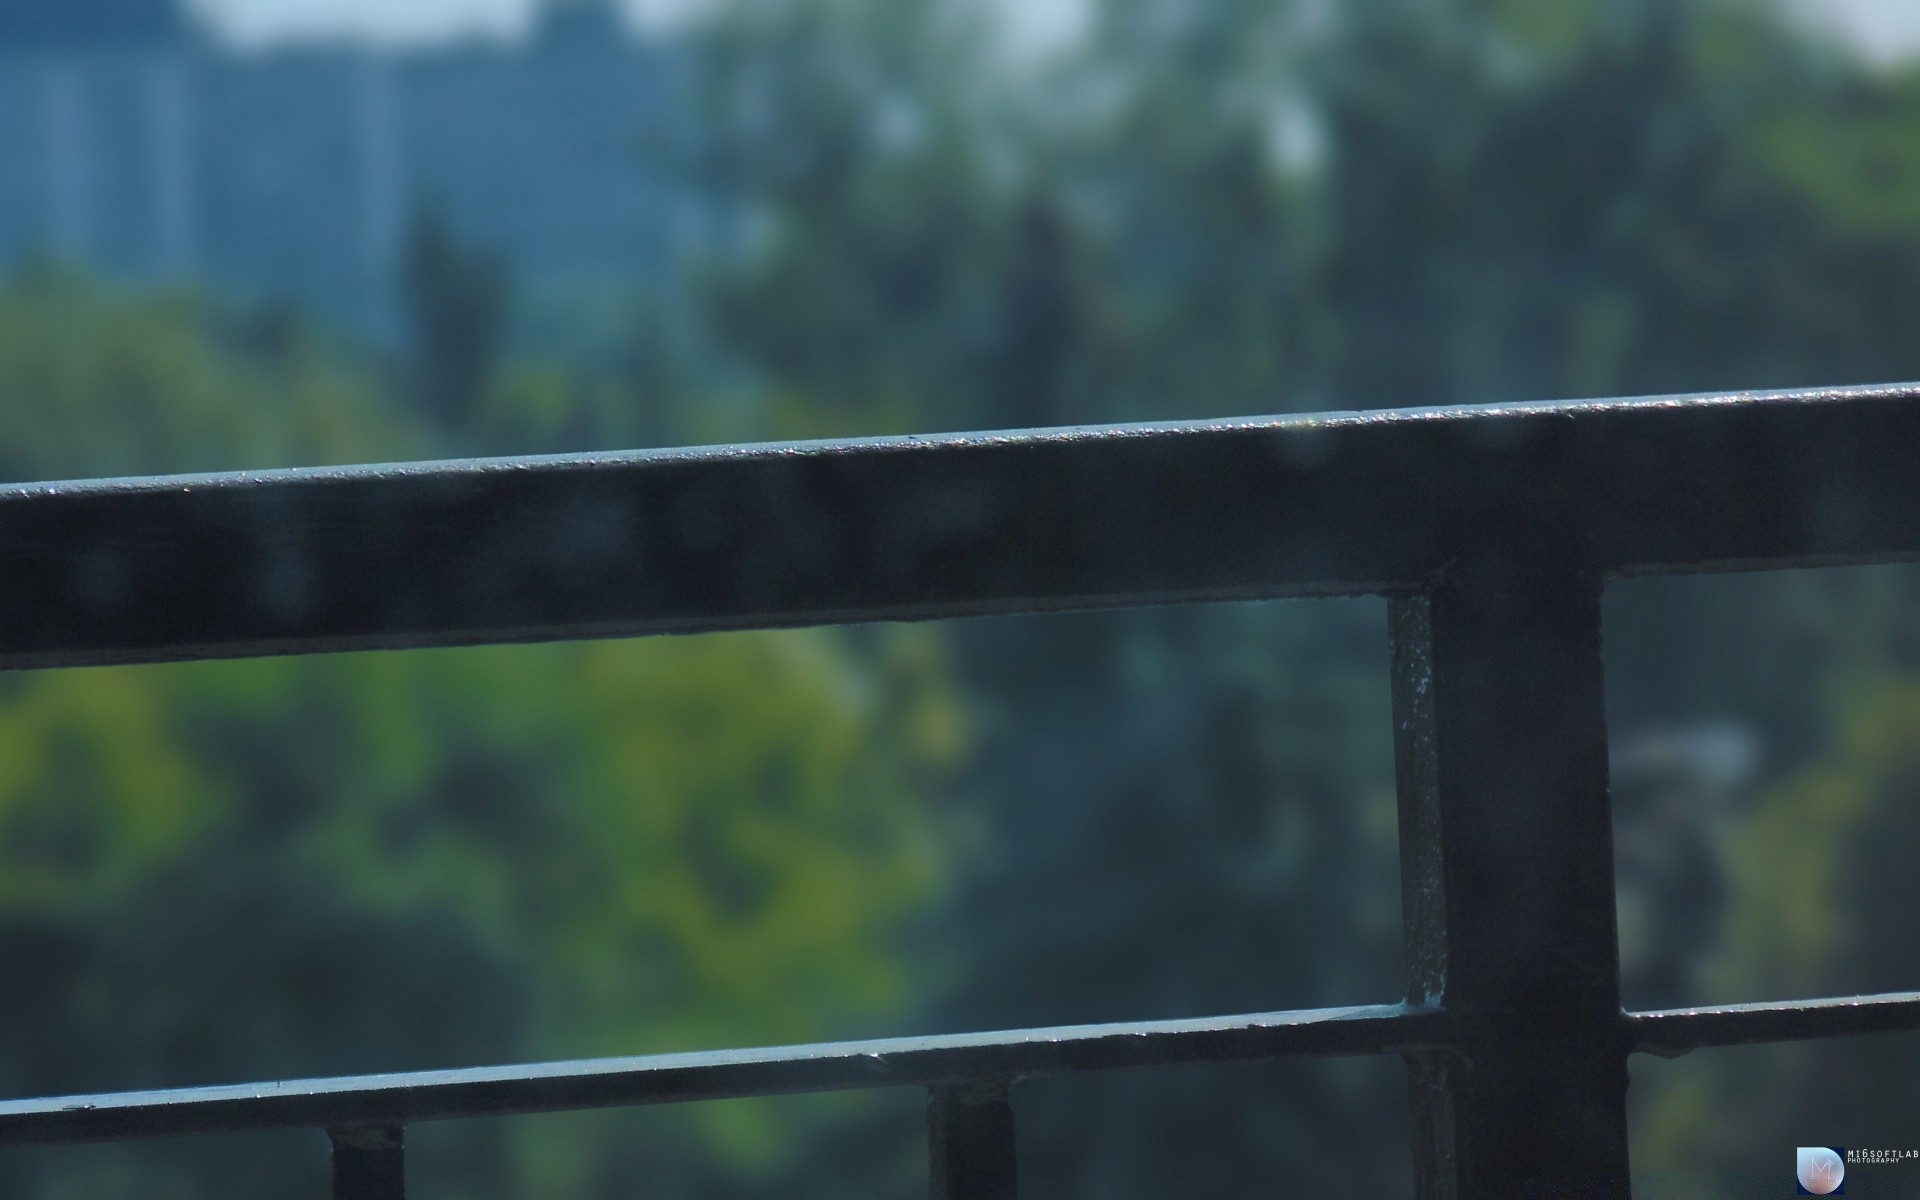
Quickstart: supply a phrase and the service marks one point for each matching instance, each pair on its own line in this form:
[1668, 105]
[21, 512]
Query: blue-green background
[350, 863]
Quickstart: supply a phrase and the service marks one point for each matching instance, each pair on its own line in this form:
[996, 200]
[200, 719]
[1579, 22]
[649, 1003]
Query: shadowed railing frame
[1492, 530]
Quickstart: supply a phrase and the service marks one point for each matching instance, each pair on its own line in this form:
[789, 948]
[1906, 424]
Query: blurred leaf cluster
[1211, 209]
[370, 862]
[1188, 210]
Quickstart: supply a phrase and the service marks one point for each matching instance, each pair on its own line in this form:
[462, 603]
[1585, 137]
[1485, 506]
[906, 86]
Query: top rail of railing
[760, 536]
[1493, 528]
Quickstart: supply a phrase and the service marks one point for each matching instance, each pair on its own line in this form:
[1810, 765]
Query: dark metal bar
[1422, 888]
[970, 1143]
[1493, 528]
[1509, 880]
[369, 1164]
[966, 1058]
[910, 528]
[1673, 1032]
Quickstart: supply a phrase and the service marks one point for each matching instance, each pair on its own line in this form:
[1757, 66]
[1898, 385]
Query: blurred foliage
[1191, 210]
[1202, 210]
[97, 384]
[455, 298]
[382, 861]
[1822, 902]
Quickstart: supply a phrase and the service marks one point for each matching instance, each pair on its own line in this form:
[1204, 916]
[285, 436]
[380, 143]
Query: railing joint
[369, 1162]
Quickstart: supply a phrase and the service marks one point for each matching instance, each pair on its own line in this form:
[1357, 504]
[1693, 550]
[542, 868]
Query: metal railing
[1492, 530]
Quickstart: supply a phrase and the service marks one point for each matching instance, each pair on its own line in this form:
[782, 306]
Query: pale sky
[254, 22]
[1882, 29]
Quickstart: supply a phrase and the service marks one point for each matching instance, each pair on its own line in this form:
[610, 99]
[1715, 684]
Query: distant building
[30, 25]
[137, 148]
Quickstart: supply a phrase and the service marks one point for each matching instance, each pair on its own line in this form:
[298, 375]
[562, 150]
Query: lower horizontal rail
[1673, 1032]
[951, 1059]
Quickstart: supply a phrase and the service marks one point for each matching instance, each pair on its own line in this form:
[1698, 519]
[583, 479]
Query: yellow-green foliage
[1791, 922]
[94, 789]
[1857, 166]
[1821, 903]
[324, 864]
[97, 384]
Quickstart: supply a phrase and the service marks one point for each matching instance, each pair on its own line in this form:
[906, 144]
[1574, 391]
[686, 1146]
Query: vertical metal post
[970, 1142]
[369, 1164]
[1507, 873]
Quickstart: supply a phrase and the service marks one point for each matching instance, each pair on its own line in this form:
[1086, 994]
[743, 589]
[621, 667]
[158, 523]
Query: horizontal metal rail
[946, 1061]
[1492, 529]
[966, 1058]
[599, 545]
[1674, 1032]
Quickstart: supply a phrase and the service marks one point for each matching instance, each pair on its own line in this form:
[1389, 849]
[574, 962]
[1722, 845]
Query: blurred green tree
[93, 384]
[379, 861]
[455, 301]
[1194, 210]
[1202, 210]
